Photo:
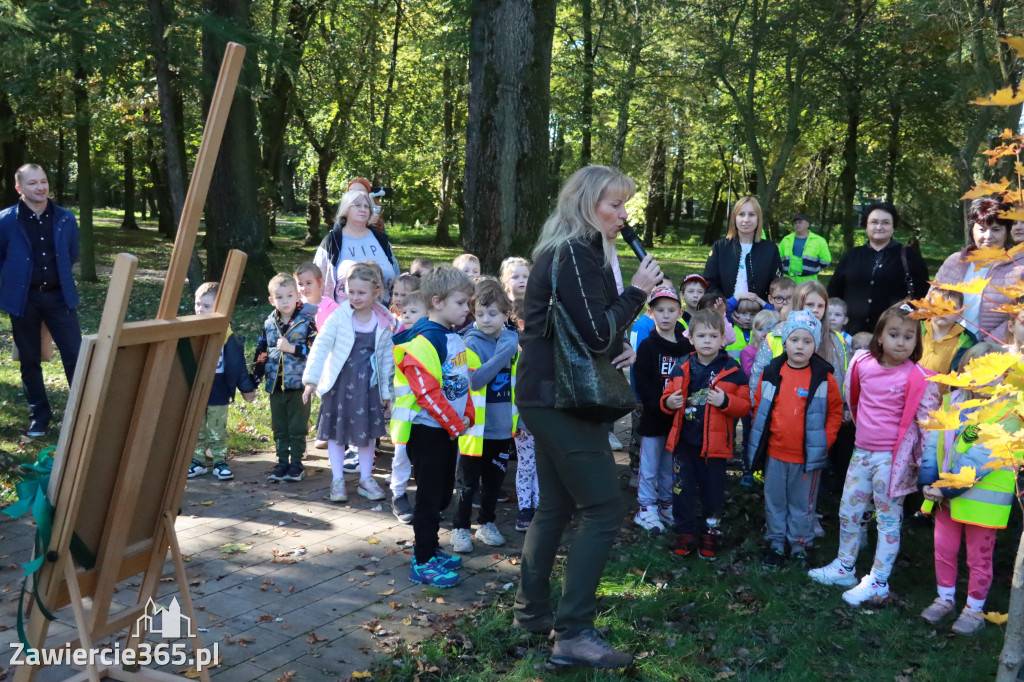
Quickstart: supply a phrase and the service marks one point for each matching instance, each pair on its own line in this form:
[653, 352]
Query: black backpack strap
[907, 279]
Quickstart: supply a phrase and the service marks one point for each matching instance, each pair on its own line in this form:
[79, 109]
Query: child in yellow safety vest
[493, 350]
[974, 512]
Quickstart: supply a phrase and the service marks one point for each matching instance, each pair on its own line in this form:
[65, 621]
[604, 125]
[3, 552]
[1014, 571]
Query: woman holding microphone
[575, 464]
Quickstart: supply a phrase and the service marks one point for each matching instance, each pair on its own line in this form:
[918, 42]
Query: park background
[475, 112]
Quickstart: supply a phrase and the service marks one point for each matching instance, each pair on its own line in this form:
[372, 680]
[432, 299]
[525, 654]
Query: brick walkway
[321, 588]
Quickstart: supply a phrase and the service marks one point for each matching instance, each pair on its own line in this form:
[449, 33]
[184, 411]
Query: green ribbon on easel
[32, 497]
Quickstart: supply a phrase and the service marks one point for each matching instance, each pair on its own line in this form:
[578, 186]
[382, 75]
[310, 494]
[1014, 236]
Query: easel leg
[80, 620]
[186, 597]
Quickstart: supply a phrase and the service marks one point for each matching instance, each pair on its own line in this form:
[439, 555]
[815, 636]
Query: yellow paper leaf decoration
[975, 286]
[1016, 42]
[983, 189]
[942, 420]
[1005, 97]
[995, 617]
[965, 478]
[990, 367]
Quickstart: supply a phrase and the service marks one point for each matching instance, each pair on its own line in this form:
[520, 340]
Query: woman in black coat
[742, 265]
[575, 465]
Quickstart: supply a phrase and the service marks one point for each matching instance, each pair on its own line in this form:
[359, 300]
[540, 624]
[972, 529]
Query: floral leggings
[867, 479]
[527, 489]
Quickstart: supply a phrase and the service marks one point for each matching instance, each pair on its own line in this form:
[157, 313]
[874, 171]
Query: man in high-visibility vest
[804, 254]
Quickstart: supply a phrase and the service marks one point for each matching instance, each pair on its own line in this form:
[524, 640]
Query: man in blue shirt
[38, 245]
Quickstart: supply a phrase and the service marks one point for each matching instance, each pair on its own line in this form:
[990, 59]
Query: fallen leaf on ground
[996, 617]
[235, 547]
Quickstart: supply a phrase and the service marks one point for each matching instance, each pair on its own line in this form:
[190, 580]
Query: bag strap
[549, 324]
[907, 279]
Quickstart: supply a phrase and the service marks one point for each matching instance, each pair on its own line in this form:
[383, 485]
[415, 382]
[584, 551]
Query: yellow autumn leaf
[986, 256]
[995, 617]
[1007, 134]
[975, 286]
[957, 380]
[1015, 291]
[362, 675]
[990, 367]
[935, 305]
[1016, 42]
[387, 593]
[999, 152]
[983, 189]
[1011, 309]
[942, 420]
[1002, 463]
[965, 478]
[1005, 97]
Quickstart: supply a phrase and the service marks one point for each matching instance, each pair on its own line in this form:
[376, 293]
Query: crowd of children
[440, 366]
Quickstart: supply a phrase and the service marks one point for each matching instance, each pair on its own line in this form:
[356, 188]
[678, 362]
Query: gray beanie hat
[802, 319]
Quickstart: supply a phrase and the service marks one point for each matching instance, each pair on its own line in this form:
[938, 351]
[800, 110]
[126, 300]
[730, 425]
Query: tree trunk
[128, 222]
[654, 215]
[507, 155]
[716, 215]
[62, 172]
[627, 86]
[449, 152]
[83, 119]
[587, 106]
[233, 216]
[313, 217]
[158, 178]
[171, 126]
[385, 123]
[557, 158]
[893, 150]
[676, 192]
[286, 181]
[13, 148]
[848, 176]
[1012, 655]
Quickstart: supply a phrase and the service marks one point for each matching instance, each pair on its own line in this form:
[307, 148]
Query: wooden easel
[134, 412]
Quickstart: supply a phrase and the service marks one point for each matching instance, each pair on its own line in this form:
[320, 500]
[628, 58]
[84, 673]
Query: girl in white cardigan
[351, 367]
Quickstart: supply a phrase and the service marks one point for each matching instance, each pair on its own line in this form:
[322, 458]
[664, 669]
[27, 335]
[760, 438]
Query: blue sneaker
[433, 574]
[447, 561]
[747, 480]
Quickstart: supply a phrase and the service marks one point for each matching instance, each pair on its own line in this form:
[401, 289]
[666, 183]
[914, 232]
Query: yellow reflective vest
[472, 443]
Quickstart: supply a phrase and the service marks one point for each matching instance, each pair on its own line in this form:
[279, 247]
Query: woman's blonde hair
[827, 348]
[347, 200]
[574, 216]
[732, 233]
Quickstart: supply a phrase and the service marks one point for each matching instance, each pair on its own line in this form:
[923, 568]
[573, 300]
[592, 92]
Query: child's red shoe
[686, 544]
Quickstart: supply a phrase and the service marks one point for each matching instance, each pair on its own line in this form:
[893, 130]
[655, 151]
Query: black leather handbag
[587, 384]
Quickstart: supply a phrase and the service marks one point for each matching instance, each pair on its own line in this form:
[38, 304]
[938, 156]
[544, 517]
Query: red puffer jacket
[719, 422]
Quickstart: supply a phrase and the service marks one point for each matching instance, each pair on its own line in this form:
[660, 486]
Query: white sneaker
[647, 518]
[613, 441]
[665, 514]
[490, 535]
[369, 489]
[350, 464]
[833, 574]
[338, 493]
[867, 590]
[461, 541]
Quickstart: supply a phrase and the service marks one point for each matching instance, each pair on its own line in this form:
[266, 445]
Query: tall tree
[233, 216]
[507, 130]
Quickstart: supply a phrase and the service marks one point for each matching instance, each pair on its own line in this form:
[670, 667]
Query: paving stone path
[285, 580]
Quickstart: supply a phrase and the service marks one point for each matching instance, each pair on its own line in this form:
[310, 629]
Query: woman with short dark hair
[575, 465]
[872, 277]
[984, 230]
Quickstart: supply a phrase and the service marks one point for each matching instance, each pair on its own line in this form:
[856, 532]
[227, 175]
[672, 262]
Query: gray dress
[351, 412]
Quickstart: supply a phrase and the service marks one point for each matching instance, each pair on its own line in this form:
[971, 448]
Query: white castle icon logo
[167, 622]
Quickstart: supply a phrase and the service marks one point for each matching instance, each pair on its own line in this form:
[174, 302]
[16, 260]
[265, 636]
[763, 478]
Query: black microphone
[629, 234]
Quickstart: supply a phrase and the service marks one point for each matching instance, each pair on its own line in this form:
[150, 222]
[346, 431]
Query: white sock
[976, 605]
[947, 593]
[365, 461]
[336, 454]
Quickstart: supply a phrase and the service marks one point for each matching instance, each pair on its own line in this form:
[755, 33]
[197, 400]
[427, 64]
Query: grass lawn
[684, 619]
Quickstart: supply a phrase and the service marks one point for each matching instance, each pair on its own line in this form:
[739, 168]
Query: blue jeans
[696, 478]
[48, 307]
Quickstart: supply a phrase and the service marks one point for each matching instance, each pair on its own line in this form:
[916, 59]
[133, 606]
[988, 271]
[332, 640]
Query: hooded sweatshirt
[495, 372]
[655, 358]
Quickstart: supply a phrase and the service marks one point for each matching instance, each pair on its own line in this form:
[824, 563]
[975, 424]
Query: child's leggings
[654, 480]
[336, 453]
[868, 479]
[527, 489]
[401, 470]
[980, 543]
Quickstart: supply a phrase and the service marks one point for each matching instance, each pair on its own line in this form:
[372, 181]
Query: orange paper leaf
[983, 189]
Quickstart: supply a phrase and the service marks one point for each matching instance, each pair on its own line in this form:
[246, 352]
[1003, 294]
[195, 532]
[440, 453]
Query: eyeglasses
[781, 300]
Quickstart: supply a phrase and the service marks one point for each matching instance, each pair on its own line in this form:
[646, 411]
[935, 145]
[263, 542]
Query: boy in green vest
[494, 350]
[692, 290]
[432, 408]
